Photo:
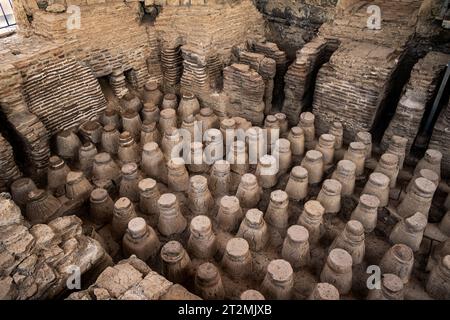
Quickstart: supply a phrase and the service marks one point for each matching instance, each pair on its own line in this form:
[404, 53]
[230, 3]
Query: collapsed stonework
[312, 164]
[365, 64]
[292, 24]
[37, 261]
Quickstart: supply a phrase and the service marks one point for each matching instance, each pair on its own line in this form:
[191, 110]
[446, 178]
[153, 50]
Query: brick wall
[292, 23]
[220, 26]
[36, 262]
[55, 69]
[418, 95]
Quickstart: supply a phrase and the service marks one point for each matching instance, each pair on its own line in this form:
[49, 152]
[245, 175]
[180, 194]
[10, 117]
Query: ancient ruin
[224, 149]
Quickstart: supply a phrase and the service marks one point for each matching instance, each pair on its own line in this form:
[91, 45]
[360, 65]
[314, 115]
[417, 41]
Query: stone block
[118, 279]
[178, 292]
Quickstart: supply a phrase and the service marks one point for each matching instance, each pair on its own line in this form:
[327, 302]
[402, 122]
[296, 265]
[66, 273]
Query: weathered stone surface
[266, 67]
[101, 294]
[417, 97]
[118, 279]
[350, 88]
[227, 25]
[177, 292]
[41, 259]
[67, 83]
[44, 235]
[83, 295]
[132, 279]
[7, 289]
[299, 79]
[66, 227]
[56, 8]
[8, 168]
[9, 213]
[354, 85]
[291, 24]
[244, 89]
[440, 139]
[53, 77]
[28, 128]
[138, 264]
[397, 24]
[152, 287]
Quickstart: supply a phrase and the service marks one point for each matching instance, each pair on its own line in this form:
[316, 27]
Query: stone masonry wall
[56, 68]
[203, 34]
[36, 262]
[62, 94]
[218, 25]
[352, 86]
[440, 138]
[299, 79]
[132, 279]
[356, 85]
[111, 36]
[244, 89]
[292, 23]
[398, 20]
[418, 94]
[8, 168]
[27, 127]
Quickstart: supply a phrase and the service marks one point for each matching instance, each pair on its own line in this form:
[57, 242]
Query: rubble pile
[418, 95]
[351, 87]
[245, 90]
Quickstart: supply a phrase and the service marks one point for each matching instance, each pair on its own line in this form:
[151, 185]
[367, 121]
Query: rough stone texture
[75, 57]
[111, 37]
[64, 94]
[299, 79]
[426, 26]
[201, 73]
[266, 67]
[177, 292]
[220, 25]
[271, 50]
[418, 95]
[126, 46]
[28, 129]
[118, 279]
[49, 81]
[397, 25]
[354, 86]
[8, 168]
[197, 41]
[244, 89]
[131, 279]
